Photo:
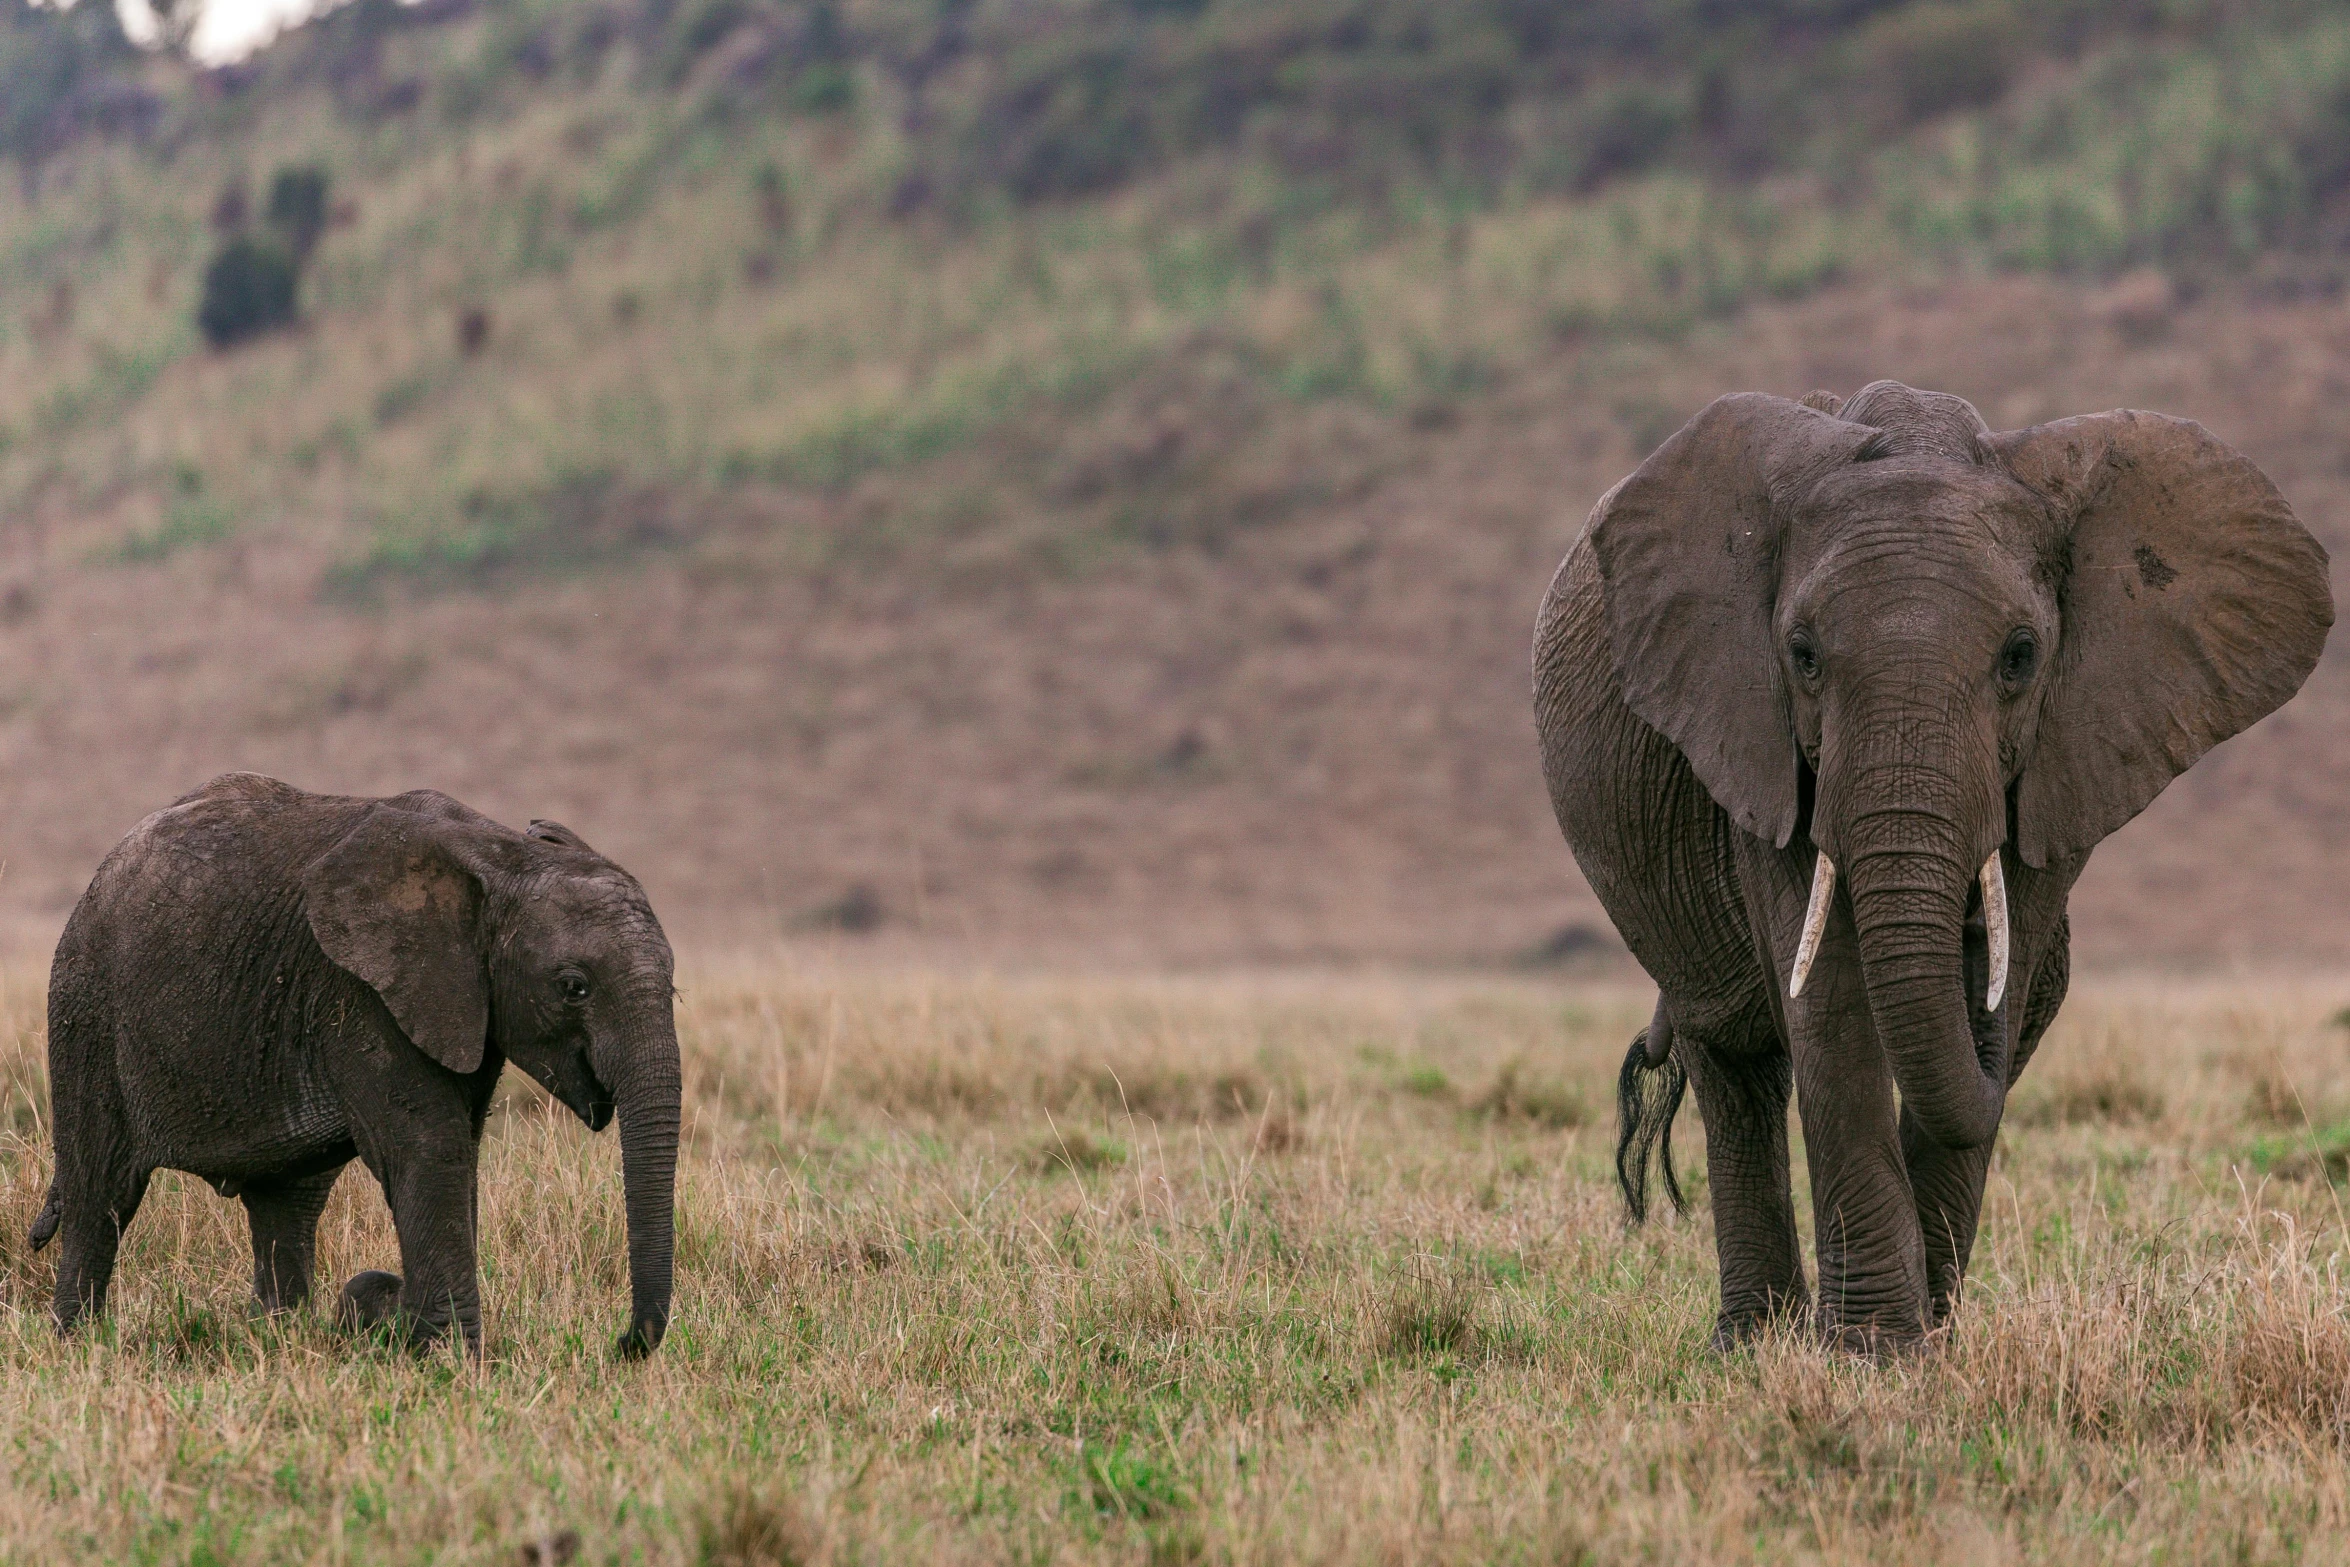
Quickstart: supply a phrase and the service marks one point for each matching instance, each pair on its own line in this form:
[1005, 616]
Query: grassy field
[1257, 1268]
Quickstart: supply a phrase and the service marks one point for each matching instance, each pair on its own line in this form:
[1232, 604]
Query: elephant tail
[45, 1222]
[1648, 1096]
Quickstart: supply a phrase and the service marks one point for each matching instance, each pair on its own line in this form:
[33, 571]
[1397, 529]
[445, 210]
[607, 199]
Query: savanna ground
[1261, 1267]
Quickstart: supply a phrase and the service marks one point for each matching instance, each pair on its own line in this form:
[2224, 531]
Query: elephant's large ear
[392, 905]
[2193, 604]
[1687, 547]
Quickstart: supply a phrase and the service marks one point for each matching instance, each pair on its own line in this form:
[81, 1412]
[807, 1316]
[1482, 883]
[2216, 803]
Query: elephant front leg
[283, 1216]
[1872, 1257]
[1743, 1100]
[1948, 1186]
[431, 1192]
[1949, 1181]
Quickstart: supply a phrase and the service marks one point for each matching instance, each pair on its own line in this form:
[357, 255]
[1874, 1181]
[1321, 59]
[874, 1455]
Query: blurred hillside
[1075, 476]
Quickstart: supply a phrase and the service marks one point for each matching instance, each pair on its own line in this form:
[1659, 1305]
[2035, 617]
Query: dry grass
[1409, 1327]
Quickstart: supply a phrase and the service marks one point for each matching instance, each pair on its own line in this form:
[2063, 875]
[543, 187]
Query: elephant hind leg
[91, 1223]
[1644, 1119]
[283, 1216]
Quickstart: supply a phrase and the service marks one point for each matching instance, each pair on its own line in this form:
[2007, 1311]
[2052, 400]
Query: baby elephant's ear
[393, 906]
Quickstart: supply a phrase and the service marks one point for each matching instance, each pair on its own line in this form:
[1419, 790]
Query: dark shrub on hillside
[1934, 59]
[1074, 131]
[298, 208]
[697, 29]
[231, 208]
[1625, 131]
[248, 290]
[473, 330]
[2321, 142]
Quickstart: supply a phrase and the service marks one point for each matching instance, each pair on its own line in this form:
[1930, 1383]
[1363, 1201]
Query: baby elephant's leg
[284, 1218]
[97, 1209]
[430, 1187]
[433, 1210]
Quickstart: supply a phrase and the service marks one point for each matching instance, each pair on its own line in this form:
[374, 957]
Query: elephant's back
[188, 969]
[198, 892]
[240, 833]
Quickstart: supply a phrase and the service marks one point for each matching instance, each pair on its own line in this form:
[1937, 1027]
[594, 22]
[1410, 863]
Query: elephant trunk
[1911, 875]
[646, 1092]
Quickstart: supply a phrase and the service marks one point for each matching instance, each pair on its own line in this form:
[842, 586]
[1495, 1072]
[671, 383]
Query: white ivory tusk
[1995, 925]
[1815, 922]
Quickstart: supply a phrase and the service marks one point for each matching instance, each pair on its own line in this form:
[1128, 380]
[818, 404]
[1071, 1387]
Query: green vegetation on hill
[1109, 273]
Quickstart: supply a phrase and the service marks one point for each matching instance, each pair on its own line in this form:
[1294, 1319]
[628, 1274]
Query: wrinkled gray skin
[261, 985]
[1884, 632]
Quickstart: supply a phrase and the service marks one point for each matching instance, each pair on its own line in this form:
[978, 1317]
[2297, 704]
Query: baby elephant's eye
[2019, 658]
[575, 988]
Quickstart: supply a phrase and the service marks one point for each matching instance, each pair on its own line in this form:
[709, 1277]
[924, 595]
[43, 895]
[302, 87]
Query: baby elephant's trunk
[645, 1089]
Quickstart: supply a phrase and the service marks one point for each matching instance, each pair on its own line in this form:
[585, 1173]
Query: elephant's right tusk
[1995, 930]
[1815, 922]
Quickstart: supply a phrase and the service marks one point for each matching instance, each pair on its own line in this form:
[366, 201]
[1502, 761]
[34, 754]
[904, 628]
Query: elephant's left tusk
[1815, 922]
[1995, 925]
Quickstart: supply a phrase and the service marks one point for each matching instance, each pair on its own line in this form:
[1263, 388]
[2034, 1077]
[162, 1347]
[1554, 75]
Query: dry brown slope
[1311, 742]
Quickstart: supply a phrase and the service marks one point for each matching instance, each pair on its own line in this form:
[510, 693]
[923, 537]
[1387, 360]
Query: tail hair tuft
[1647, 1099]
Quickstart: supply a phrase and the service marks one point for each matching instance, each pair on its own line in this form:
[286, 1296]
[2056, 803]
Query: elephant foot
[369, 1301]
[1734, 1332]
[1872, 1341]
[1742, 1322]
[1945, 1296]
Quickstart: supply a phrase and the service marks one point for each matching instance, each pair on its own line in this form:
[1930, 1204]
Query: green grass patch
[581, 519]
[2318, 1153]
[191, 522]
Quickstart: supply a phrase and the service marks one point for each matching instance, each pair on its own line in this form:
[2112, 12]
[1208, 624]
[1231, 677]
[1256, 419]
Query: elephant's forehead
[1937, 551]
[610, 903]
[1923, 501]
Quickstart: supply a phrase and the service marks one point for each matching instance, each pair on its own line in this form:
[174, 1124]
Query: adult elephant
[1834, 702]
[261, 984]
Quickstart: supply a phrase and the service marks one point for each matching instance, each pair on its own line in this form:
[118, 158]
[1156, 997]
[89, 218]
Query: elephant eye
[2019, 658]
[1804, 655]
[575, 988]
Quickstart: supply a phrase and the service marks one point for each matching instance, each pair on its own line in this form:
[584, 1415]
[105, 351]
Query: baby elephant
[262, 984]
